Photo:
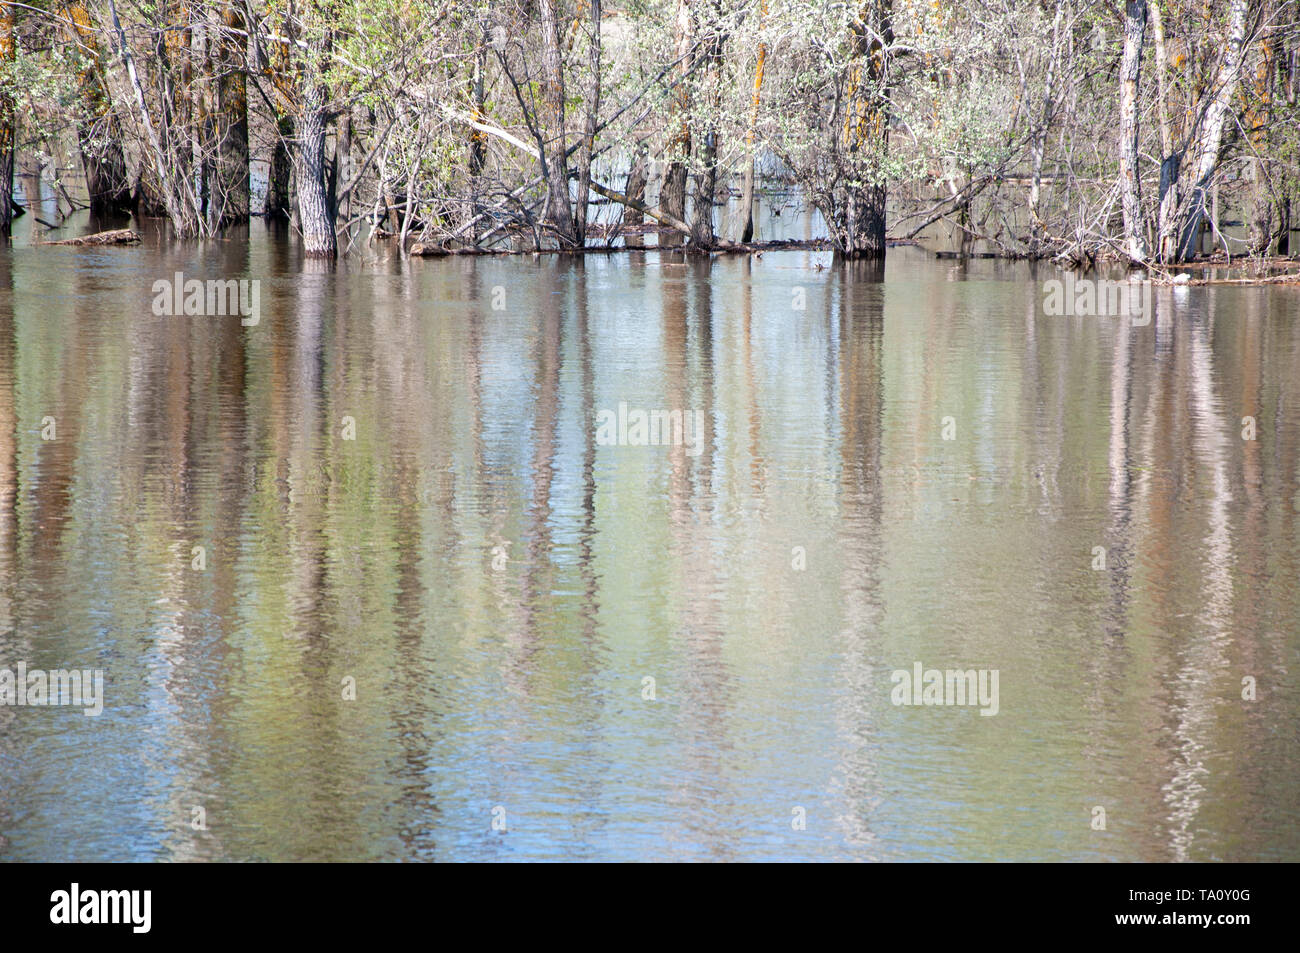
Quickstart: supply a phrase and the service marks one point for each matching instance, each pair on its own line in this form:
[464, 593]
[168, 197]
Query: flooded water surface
[632, 557]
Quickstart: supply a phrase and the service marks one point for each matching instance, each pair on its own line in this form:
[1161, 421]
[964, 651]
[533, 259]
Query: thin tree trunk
[1259, 203]
[1284, 242]
[747, 189]
[1169, 160]
[477, 157]
[588, 145]
[1038, 146]
[178, 196]
[343, 155]
[199, 88]
[1162, 71]
[173, 51]
[1135, 25]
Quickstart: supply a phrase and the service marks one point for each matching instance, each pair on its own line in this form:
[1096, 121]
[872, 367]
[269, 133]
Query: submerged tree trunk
[228, 201]
[672, 193]
[672, 196]
[706, 174]
[747, 189]
[315, 217]
[855, 208]
[636, 183]
[99, 136]
[277, 179]
[559, 211]
[1135, 25]
[8, 118]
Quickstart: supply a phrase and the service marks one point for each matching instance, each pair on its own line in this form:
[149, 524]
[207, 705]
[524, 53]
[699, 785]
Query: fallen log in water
[423, 250]
[114, 236]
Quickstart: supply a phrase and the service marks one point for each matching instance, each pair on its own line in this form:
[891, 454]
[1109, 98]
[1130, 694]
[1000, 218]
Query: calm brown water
[499, 583]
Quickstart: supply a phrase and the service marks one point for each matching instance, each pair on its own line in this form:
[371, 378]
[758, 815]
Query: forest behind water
[1151, 132]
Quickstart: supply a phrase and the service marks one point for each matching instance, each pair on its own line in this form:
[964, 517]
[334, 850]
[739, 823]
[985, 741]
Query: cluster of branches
[1066, 128]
